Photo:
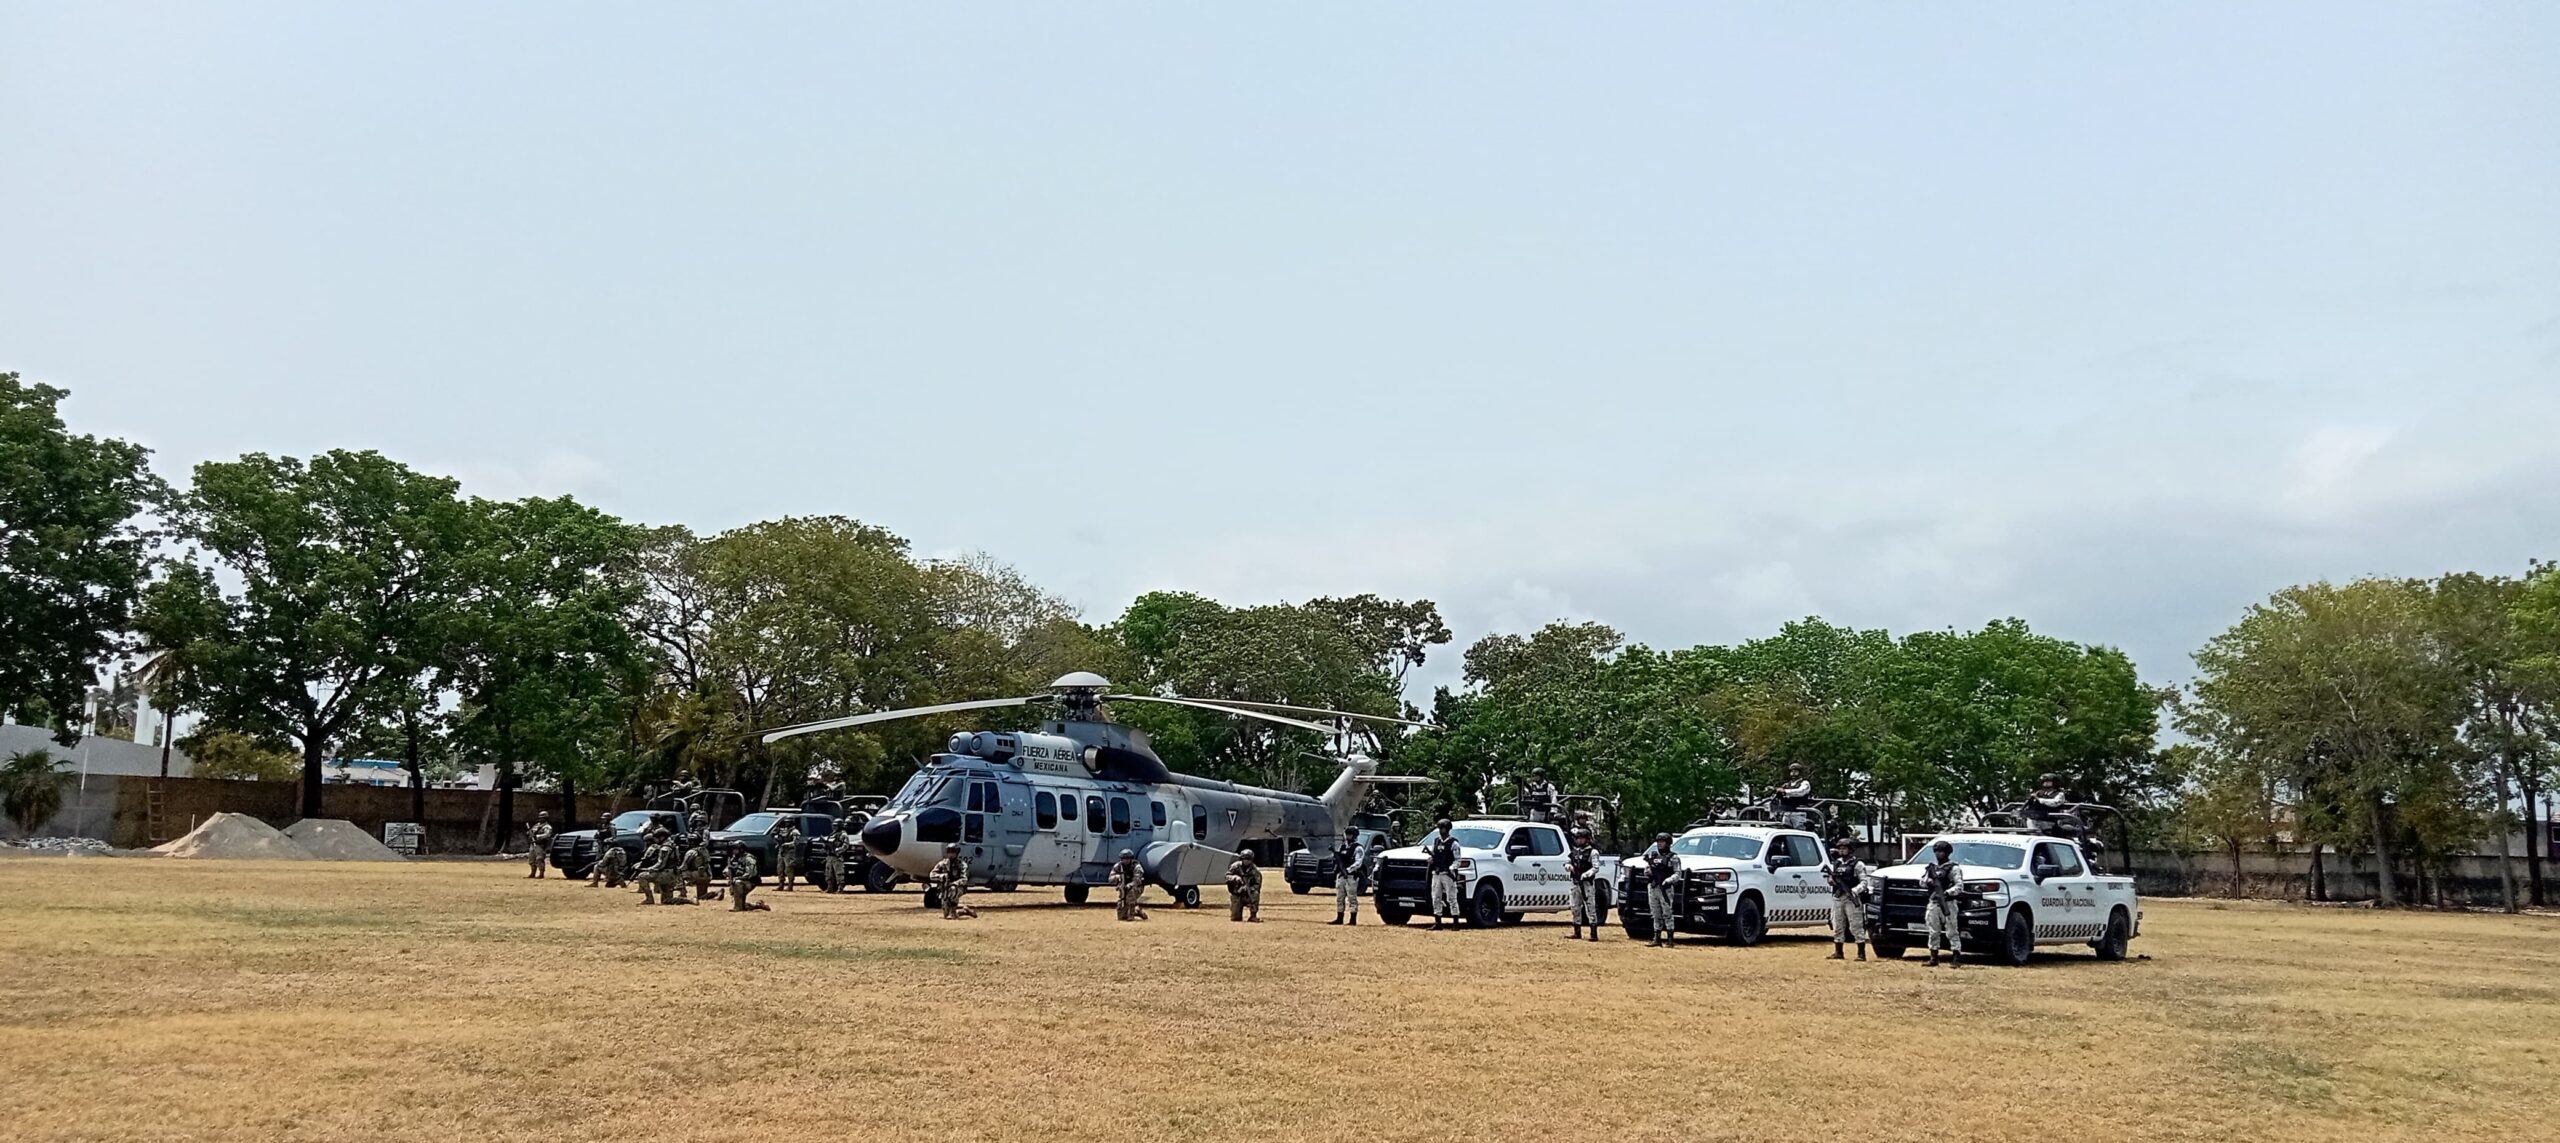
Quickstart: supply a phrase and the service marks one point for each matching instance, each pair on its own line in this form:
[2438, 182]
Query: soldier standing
[1446, 888]
[1791, 797]
[950, 876]
[786, 854]
[838, 848]
[1848, 879]
[537, 836]
[742, 878]
[1244, 888]
[1582, 868]
[1661, 895]
[1944, 879]
[1539, 799]
[1348, 858]
[1132, 882]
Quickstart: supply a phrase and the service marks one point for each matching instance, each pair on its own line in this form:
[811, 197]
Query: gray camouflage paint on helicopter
[988, 789]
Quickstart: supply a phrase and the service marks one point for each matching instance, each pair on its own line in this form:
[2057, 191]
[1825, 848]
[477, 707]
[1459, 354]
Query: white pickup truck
[2022, 890]
[1507, 869]
[1737, 882]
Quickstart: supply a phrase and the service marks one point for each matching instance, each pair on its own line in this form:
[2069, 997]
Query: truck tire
[1485, 911]
[879, 878]
[1079, 894]
[1888, 946]
[1638, 928]
[2017, 938]
[1602, 915]
[2112, 943]
[1300, 890]
[1750, 921]
[1394, 914]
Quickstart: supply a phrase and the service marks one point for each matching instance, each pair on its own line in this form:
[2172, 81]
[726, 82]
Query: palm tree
[31, 788]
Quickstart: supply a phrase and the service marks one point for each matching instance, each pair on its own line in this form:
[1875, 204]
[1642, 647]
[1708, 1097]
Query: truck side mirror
[1516, 850]
[2043, 871]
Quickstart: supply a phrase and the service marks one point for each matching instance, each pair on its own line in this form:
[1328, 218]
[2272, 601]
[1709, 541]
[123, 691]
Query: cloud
[554, 472]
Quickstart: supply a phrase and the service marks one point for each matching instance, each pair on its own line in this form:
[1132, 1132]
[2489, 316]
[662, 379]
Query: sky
[1690, 319]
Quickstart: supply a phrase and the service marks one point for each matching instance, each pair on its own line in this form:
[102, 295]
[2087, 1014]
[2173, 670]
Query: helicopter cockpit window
[921, 790]
[1044, 810]
[1119, 815]
[1093, 815]
[1158, 807]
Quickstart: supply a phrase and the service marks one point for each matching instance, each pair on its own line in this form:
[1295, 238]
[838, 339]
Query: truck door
[1806, 896]
[2066, 902]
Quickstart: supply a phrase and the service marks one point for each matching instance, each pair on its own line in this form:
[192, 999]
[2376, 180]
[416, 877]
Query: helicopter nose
[882, 835]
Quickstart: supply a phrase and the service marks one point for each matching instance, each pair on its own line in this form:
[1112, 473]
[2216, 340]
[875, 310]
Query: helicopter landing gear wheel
[1079, 894]
[1187, 896]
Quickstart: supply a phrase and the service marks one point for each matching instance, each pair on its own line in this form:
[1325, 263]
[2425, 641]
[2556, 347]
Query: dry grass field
[155, 999]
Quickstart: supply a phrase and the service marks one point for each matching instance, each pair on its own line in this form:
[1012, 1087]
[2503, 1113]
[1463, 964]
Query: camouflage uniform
[538, 839]
[1244, 889]
[695, 869]
[1662, 892]
[1848, 879]
[1448, 893]
[647, 874]
[742, 879]
[951, 878]
[1582, 866]
[1132, 880]
[786, 855]
[1347, 860]
[839, 848]
[613, 862]
[604, 845]
[1945, 882]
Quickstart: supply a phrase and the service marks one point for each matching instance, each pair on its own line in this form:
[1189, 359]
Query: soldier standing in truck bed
[1244, 889]
[537, 836]
[1131, 880]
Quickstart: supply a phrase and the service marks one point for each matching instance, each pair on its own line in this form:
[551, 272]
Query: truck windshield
[1740, 847]
[754, 823]
[1475, 838]
[632, 821]
[1988, 854]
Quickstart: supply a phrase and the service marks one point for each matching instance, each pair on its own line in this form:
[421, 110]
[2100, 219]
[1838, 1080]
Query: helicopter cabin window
[1158, 807]
[977, 797]
[1093, 815]
[1199, 823]
[1044, 810]
[1119, 815]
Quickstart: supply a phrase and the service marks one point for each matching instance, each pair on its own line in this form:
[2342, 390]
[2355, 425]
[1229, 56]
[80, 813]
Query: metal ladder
[155, 821]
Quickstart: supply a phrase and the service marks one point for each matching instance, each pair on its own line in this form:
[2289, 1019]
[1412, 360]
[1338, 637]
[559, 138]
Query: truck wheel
[2111, 945]
[1638, 928]
[1487, 906]
[2018, 938]
[1394, 914]
[1750, 922]
[879, 878]
[1601, 914]
[1300, 890]
[1187, 896]
[1079, 894]
[1888, 946]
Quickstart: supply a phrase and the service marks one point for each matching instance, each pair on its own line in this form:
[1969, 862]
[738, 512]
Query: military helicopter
[1057, 805]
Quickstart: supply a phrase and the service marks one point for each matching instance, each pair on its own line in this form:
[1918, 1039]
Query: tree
[31, 788]
[2227, 801]
[2474, 619]
[179, 611]
[232, 755]
[2535, 615]
[72, 554]
[2342, 688]
[347, 565]
[539, 639]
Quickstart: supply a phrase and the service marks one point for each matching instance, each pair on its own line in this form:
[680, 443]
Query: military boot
[1576, 935]
[1835, 951]
[1933, 959]
[1862, 950]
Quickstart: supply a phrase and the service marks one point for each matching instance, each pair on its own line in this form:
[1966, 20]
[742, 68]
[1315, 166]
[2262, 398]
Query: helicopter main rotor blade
[1237, 711]
[778, 734]
[1327, 711]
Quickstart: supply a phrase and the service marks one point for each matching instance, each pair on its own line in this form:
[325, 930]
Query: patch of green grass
[2278, 1071]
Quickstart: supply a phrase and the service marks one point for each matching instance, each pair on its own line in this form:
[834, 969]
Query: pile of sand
[330, 839]
[234, 835]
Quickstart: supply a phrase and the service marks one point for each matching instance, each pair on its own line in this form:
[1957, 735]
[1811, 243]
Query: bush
[31, 788]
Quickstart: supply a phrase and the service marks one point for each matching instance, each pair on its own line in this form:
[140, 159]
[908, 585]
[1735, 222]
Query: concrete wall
[117, 808]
